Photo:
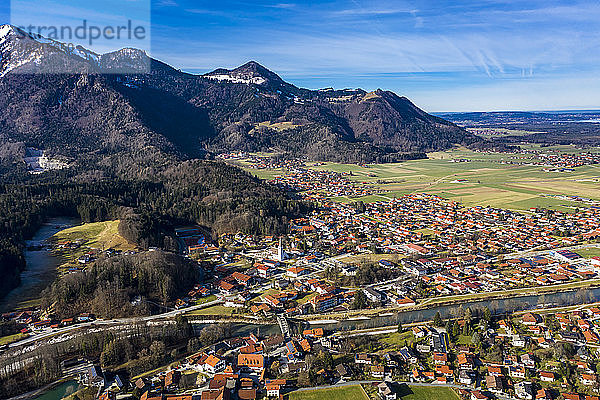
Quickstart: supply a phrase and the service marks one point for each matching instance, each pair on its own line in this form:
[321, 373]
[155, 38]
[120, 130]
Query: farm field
[430, 392]
[353, 392]
[485, 179]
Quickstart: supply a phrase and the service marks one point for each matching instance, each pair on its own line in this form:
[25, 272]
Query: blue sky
[445, 56]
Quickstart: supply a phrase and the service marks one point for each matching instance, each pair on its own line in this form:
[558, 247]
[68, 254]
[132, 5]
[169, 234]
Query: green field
[97, 235]
[487, 179]
[368, 257]
[266, 174]
[589, 252]
[206, 299]
[429, 393]
[397, 340]
[12, 338]
[354, 392]
[214, 310]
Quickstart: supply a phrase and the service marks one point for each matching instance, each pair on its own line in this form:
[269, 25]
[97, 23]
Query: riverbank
[41, 266]
[386, 317]
[52, 391]
[383, 330]
[443, 301]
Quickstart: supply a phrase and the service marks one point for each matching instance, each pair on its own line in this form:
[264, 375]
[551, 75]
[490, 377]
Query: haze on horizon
[445, 56]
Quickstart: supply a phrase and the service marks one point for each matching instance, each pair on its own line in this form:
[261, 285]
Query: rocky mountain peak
[248, 73]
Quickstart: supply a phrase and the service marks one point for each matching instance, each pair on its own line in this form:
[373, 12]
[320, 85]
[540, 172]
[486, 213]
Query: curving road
[118, 321]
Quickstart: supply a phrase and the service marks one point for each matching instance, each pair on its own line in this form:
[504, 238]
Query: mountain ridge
[197, 115]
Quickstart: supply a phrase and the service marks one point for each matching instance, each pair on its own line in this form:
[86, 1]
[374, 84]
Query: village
[526, 355]
[348, 260]
[550, 159]
[411, 251]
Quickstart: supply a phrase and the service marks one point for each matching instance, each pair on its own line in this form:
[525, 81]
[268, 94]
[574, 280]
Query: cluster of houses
[244, 368]
[554, 267]
[455, 249]
[552, 160]
[321, 184]
[36, 321]
[253, 367]
[234, 155]
[427, 224]
[86, 257]
[567, 161]
[440, 247]
[526, 371]
[272, 287]
[261, 162]
[525, 374]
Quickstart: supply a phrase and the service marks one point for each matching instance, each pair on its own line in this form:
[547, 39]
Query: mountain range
[105, 107]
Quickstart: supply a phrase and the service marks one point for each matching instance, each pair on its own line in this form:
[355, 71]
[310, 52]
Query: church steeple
[280, 252]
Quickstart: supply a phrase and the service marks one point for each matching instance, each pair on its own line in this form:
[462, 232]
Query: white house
[213, 364]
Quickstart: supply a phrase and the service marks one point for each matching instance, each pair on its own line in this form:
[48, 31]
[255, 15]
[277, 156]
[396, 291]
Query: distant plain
[485, 179]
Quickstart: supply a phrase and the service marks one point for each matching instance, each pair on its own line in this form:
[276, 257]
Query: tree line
[123, 285]
[141, 346]
[150, 203]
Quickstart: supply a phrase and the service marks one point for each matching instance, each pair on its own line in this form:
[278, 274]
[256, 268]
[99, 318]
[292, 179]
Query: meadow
[472, 178]
[97, 235]
[429, 392]
[91, 236]
[353, 392]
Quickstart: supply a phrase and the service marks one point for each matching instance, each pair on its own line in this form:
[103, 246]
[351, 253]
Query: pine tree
[437, 320]
[468, 316]
[487, 314]
[455, 331]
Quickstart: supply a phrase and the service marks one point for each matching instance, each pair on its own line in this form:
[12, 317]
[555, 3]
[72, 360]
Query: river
[60, 391]
[496, 306]
[40, 264]
[393, 317]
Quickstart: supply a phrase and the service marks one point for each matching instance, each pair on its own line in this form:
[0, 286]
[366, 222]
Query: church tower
[280, 252]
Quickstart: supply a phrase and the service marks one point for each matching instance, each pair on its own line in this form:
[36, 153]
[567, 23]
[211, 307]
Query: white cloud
[497, 42]
[366, 12]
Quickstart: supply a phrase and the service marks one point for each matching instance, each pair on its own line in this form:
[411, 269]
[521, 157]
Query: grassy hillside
[98, 235]
[89, 237]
